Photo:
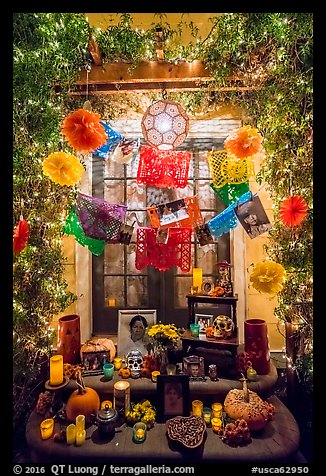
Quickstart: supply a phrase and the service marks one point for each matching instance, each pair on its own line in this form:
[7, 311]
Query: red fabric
[293, 210]
[163, 168]
[175, 252]
[21, 235]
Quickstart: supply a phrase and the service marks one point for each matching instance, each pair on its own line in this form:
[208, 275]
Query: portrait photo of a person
[252, 217]
[194, 370]
[173, 401]
[132, 331]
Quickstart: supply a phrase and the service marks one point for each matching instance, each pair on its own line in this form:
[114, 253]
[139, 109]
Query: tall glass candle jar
[121, 397]
[197, 407]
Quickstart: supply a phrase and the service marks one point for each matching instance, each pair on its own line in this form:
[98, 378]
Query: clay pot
[257, 345]
[69, 338]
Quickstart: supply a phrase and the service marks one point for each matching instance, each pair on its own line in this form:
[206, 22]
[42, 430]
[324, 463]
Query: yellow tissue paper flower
[63, 168]
[268, 277]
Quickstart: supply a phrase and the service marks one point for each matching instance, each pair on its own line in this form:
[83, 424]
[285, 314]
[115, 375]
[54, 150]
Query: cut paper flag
[175, 251]
[184, 212]
[160, 168]
[227, 219]
[229, 169]
[229, 193]
[73, 227]
[113, 138]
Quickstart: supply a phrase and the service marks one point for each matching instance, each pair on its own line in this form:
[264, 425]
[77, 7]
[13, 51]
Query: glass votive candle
[212, 372]
[108, 370]
[106, 404]
[46, 428]
[139, 432]
[171, 369]
[207, 415]
[197, 407]
[217, 409]
[117, 362]
[71, 434]
[194, 330]
[80, 437]
[80, 423]
[216, 424]
[155, 373]
[194, 290]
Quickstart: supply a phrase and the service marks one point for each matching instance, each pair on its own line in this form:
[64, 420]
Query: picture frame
[253, 217]
[125, 343]
[173, 396]
[204, 321]
[93, 362]
[207, 286]
[194, 367]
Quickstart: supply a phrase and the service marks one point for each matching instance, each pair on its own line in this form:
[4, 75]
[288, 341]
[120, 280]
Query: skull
[223, 327]
[134, 362]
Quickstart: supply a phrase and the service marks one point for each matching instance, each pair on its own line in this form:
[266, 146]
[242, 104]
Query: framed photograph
[93, 362]
[173, 398]
[207, 286]
[132, 327]
[204, 321]
[253, 217]
[193, 366]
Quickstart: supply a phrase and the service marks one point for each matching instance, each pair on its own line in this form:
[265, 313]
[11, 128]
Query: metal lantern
[165, 125]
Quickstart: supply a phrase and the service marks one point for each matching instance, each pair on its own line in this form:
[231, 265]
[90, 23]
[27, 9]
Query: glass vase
[162, 360]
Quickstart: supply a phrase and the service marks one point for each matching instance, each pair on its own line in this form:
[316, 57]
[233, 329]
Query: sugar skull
[134, 362]
[223, 327]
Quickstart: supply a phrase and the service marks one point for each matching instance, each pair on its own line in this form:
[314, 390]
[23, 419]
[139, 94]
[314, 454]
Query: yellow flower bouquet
[164, 336]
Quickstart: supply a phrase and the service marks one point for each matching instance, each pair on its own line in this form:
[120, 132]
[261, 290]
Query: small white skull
[134, 362]
[223, 327]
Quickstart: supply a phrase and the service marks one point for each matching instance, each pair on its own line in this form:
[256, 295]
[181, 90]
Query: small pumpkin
[99, 345]
[210, 332]
[83, 401]
[125, 372]
[247, 405]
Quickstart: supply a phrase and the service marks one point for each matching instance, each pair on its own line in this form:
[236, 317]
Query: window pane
[113, 259]
[182, 287]
[207, 258]
[206, 196]
[113, 288]
[136, 195]
[131, 261]
[113, 169]
[113, 191]
[137, 291]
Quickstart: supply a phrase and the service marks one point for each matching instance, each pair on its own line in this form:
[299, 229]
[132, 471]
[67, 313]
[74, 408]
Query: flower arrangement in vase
[162, 338]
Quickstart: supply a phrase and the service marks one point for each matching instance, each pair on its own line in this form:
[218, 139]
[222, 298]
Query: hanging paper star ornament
[83, 130]
[293, 210]
[21, 235]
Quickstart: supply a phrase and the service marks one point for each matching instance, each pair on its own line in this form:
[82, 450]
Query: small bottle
[251, 373]
[212, 372]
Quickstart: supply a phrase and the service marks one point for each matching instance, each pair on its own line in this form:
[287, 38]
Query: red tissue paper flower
[83, 130]
[293, 210]
[21, 235]
[243, 142]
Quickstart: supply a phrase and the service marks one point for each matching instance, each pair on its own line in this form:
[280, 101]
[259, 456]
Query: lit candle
[197, 407]
[217, 410]
[46, 428]
[139, 432]
[171, 369]
[216, 424]
[80, 423]
[56, 370]
[111, 302]
[80, 437]
[155, 373]
[71, 434]
[117, 362]
[197, 278]
[121, 397]
[207, 415]
[106, 404]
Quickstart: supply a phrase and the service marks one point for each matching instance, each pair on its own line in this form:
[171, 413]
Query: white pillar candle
[71, 434]
[80, 423]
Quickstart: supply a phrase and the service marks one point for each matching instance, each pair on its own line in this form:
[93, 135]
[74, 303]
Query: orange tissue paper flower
[268, 277]
[83, 130]
[293, 210]
[63, 168]
[243, 142]
[21, 235]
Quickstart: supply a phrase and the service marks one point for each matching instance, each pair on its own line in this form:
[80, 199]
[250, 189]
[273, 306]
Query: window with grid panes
[117, 284]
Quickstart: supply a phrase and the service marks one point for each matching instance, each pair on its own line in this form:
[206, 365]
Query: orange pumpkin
[83, 401]
[99, 345]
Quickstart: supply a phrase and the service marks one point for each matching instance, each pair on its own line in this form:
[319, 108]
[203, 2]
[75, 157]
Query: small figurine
[224, 277]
